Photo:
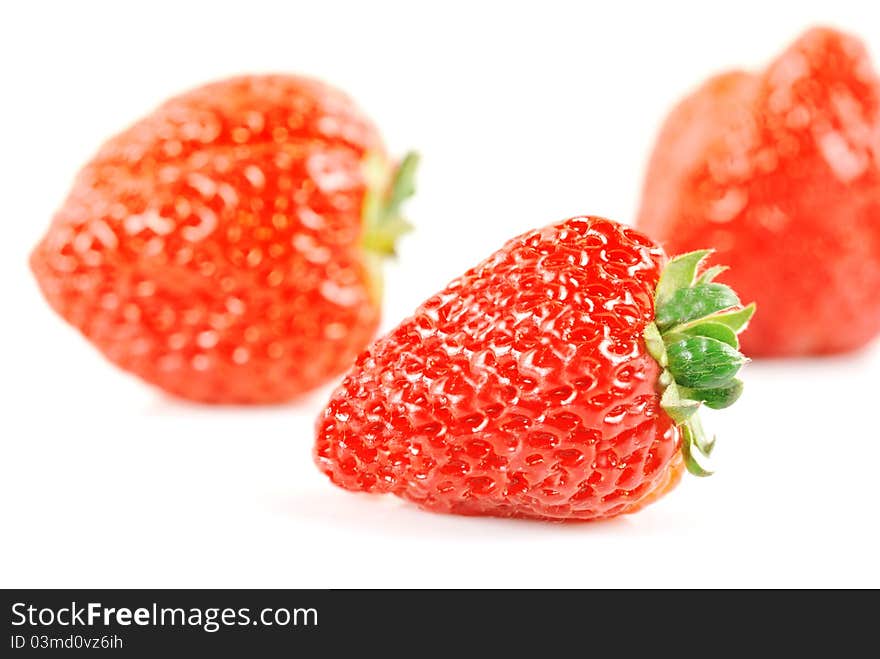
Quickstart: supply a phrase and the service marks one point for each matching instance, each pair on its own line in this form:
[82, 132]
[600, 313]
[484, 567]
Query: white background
[524, 114]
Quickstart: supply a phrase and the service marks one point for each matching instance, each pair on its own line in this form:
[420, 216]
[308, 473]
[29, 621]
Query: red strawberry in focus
[544, 382]
[226, 247]
[780, 172]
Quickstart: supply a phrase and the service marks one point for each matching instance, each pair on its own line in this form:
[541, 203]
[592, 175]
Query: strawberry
[558, 379]
[227, 247]
[780, 172]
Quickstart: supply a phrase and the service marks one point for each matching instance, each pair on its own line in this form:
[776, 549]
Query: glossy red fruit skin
[524, 389]
[214, 248]
[780, 172]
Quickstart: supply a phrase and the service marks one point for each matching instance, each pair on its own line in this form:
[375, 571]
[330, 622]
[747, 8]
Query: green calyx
[694, 339]
[383, 221]
[387, 190]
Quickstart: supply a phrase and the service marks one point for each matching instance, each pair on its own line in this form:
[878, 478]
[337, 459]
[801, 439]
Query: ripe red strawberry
[780, 171]
[542, 383]
[227, 247]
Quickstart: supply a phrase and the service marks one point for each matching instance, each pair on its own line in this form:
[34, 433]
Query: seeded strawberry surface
[780, 172]
[215, 247]
[523, 389]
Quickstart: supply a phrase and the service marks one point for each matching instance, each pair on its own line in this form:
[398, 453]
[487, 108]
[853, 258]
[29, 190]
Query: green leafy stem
[694, 339]
[382, 207]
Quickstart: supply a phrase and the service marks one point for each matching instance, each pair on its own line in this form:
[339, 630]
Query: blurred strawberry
[227, 247]
[780, 172]
[544, 382]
